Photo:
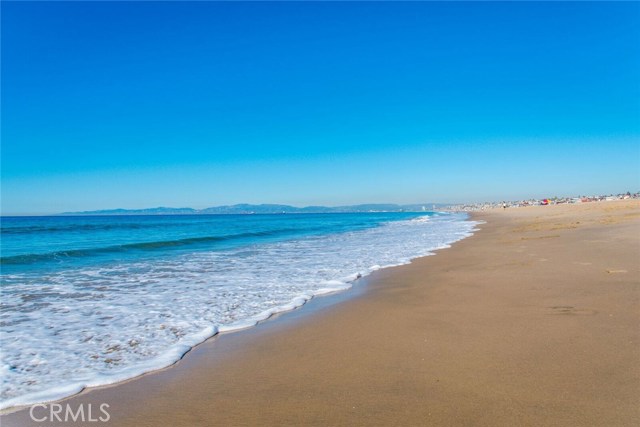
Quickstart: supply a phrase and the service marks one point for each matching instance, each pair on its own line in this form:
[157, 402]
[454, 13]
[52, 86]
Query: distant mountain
[263, 209]
[250, 209]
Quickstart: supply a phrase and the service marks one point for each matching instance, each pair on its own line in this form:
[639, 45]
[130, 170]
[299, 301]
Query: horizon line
[96, 212]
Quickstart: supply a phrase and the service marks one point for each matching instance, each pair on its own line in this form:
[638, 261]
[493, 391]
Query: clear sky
[132, 105]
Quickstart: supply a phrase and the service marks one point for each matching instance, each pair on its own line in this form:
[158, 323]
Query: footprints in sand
[569, 310]
[538, 226]
[565, 226]
[552, 236]
[608, 270]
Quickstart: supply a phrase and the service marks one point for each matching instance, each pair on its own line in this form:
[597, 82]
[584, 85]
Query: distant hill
[262, 209]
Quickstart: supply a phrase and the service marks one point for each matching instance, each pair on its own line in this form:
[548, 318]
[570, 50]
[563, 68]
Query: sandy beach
[533, 321]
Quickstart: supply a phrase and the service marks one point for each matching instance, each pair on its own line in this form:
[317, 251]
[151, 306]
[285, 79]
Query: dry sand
[533, 321]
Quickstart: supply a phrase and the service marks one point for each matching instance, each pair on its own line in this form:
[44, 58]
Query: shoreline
[322, 298]
[452, 339]
[310, 306]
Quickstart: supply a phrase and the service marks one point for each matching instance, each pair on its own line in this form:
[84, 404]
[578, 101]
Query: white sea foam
[84, 327]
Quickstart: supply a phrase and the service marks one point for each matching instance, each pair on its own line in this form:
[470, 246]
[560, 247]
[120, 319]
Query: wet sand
[533, 321]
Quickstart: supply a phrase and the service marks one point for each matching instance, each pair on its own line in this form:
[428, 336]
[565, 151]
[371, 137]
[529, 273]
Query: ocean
[93, 300]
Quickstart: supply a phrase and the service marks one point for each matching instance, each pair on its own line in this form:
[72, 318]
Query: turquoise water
[30, 243]
[95, 300]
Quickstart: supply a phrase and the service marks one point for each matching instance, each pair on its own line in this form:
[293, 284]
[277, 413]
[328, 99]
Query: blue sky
[117, 104]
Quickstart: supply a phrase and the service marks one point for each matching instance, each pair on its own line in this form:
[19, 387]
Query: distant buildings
[470, 207]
